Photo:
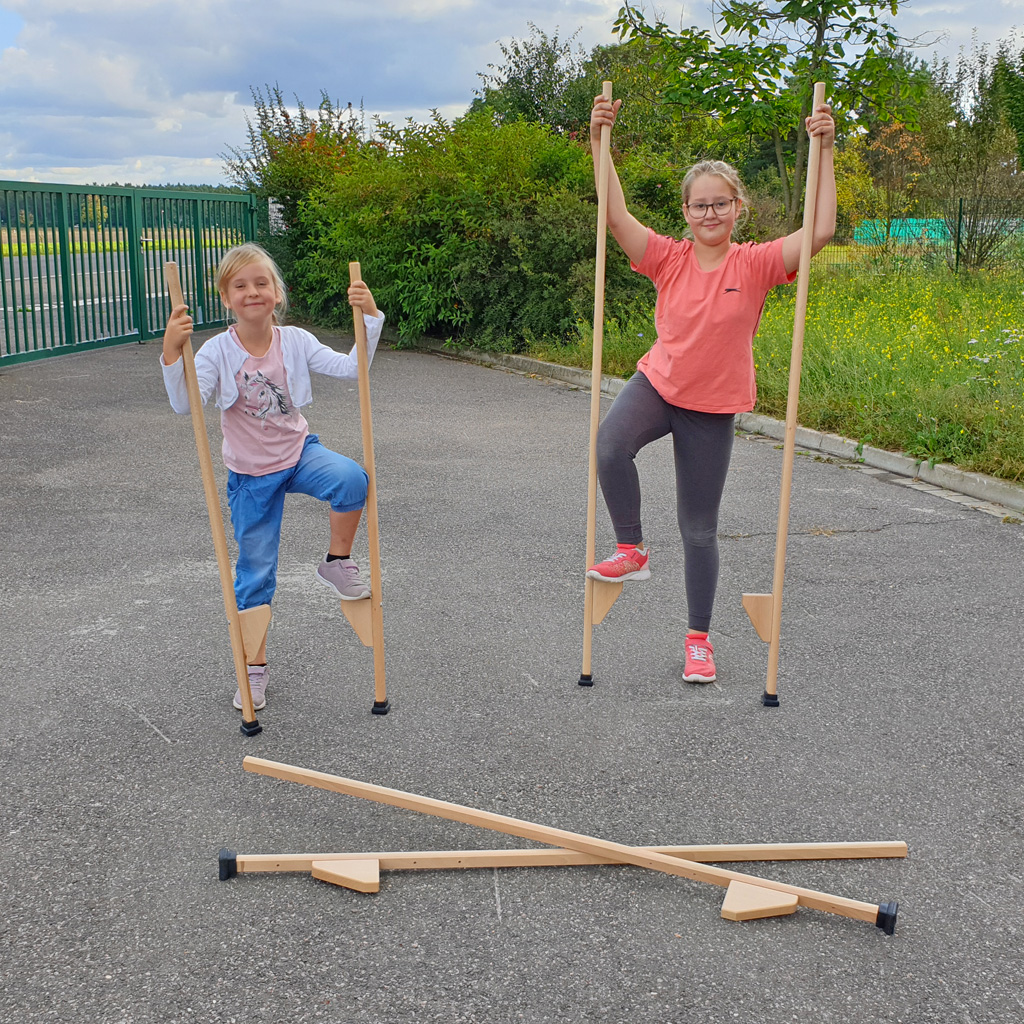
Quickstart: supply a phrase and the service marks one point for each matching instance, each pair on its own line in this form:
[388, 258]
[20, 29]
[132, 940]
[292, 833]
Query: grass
[928, 364]
[46, 241]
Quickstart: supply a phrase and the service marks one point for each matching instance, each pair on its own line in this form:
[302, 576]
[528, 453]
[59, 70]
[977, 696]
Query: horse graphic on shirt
[262, 396]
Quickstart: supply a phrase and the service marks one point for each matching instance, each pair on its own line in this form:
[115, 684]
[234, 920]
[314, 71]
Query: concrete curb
[974, 485]
[610, 386]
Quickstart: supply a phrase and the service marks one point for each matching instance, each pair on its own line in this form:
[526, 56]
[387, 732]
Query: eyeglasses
[719, 206]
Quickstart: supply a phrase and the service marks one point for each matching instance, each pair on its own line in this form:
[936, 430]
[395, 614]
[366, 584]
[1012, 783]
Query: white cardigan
[219, 359]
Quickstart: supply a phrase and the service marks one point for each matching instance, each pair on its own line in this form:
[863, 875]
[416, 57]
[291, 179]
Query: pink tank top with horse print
[263, 432]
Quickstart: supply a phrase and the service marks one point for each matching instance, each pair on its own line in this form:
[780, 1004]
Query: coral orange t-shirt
[706, 321]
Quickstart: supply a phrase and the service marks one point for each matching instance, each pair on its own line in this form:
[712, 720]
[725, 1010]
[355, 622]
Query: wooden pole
[250, 726]
[381, 706]
[439, 860]
[758, 604]
[598, 597]
[884, 916]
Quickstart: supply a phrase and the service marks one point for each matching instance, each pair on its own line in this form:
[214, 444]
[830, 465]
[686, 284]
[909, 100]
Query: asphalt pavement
[900, 685]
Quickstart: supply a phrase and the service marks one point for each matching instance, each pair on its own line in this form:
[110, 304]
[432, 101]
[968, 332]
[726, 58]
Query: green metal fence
[82, 266]
[960, 234]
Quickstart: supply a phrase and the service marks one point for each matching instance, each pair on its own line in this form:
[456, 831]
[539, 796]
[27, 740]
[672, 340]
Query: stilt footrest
[744, 902]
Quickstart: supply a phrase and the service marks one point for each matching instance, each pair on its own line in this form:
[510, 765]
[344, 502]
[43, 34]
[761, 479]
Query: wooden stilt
[595, 608]
[603, 596]
[761, 607]
[441, 860]
[369, 628]
[362, 875]
[745, 902]
[250, 726]
[360, 618]
[254, 622]
[884, 916]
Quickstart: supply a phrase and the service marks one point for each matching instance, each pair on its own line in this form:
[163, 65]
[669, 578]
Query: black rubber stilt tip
[252, 728]
[886, 919]
[227, 861]
[586, 679]
[769, 700]
[381, 707]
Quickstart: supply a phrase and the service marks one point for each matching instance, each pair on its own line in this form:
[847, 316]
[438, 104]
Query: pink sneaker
[342, 576]
[628, 563]
[700, 661]
[258, 679]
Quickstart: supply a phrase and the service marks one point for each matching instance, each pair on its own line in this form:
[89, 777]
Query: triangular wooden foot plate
[254, 623]
[361, 875]
[759, 608]
[605, 595]
[359, 615]
[746, 902]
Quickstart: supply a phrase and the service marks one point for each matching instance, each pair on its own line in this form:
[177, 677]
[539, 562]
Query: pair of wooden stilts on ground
[747, 897]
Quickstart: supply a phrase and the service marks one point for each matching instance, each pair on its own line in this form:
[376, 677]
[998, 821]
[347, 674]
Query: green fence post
[197, 260]
[251, 225]
[66, 300]
[136, 272]
[959, 229]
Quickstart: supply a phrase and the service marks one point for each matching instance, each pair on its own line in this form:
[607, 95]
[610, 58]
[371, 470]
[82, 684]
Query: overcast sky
[155, 91]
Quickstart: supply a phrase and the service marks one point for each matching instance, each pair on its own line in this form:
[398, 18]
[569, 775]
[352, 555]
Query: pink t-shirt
[263, 432]
[706, 322]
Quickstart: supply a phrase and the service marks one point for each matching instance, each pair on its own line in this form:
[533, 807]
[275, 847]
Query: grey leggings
[703, 446]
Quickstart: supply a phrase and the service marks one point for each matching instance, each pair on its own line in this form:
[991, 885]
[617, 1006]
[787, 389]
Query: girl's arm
[627, 230]
[820, 123]
[176, 334]
[322, 359]
[361, 296]
[176, 337]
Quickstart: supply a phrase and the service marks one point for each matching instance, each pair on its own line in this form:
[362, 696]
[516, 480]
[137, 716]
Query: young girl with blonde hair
[259, 371]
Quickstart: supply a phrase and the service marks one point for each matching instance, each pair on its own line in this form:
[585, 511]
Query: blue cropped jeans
[257, 507]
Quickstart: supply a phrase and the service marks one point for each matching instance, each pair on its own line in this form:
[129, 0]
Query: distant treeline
[235, 189]
[482, 229]
[35, 208]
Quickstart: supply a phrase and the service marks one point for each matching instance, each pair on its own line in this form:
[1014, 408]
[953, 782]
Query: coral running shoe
[628, 563]
[700, 661]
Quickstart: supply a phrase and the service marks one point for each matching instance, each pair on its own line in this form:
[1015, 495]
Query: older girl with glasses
[700, 371]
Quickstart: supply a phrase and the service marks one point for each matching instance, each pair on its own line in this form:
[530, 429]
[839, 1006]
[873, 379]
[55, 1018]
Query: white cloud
[141, 89]
[141, 171]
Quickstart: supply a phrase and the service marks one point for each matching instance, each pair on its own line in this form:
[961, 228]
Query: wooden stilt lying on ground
[363, 875]
[367, 617]
[745, 902]
[598, 595]
[442, 860]
[883, 915]
[765, 610]
[247, 629]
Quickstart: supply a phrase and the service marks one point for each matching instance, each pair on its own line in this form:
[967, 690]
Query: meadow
[46, 241]
[925, 363]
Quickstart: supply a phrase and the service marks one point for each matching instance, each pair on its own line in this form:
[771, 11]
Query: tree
[92, 211]
[898, 164]
[1008, 78]
[289, 154]
[973, 151]
[544, 79]
[759, 74]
